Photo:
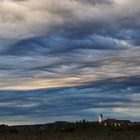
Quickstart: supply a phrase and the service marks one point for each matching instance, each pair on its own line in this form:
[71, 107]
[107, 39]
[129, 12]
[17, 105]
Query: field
[92, 135]
[69, 131]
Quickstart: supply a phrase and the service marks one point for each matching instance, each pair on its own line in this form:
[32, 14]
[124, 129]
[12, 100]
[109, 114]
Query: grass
[78, 135]
[70, 131]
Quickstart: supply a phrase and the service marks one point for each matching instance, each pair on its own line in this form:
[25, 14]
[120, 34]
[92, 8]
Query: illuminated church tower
[100, 118]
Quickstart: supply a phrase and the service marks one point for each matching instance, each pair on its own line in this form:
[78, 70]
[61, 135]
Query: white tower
[100, 118]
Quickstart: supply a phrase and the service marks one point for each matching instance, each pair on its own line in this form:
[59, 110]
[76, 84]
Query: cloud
[24, 19]
[69, 46]
[74, 67]
[71, 104]
[78, 41]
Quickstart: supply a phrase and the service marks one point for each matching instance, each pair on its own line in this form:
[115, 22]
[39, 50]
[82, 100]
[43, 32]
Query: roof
[116, 121]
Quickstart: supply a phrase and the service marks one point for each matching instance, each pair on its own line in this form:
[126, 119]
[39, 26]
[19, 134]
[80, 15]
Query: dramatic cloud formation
[68, 43]
[117, 98]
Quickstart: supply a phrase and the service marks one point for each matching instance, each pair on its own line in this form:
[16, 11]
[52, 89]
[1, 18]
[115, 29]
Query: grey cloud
[80, 102]
[68, 17]
[73, 63]
[57, 44]
[92, 43]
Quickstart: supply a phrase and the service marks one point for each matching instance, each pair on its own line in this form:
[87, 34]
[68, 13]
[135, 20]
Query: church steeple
[100, 118]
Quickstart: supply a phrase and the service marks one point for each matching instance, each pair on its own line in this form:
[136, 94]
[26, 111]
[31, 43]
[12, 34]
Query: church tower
[100, 118]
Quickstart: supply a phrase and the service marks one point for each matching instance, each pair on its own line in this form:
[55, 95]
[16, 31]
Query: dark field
[95, 135]
[70, 131]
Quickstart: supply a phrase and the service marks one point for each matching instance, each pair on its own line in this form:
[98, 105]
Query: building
[113, 122]
[100, 118]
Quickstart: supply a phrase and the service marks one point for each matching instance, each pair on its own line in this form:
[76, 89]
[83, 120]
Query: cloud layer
[77, 41]
[117, 98]
[29, 18]
[69, 44]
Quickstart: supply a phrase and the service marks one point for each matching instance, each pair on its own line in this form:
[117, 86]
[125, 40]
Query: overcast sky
[81, 55]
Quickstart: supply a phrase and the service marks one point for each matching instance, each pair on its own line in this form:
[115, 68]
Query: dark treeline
[82, 130]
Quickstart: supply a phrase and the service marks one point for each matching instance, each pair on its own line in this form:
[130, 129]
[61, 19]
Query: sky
[69, 60]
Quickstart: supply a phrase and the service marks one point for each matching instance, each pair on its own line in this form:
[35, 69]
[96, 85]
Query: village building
[113, 122]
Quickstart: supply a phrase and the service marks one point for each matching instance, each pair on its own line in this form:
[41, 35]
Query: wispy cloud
[113, 97]
[75, 41]
[70, 44]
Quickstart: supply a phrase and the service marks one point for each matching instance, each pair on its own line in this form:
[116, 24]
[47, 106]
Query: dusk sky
[69, 60]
